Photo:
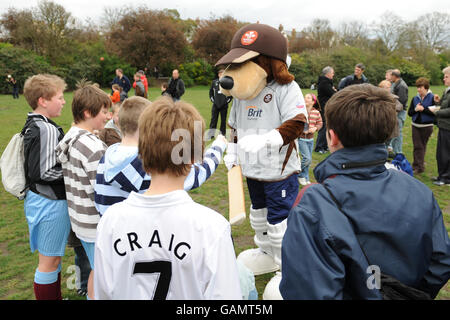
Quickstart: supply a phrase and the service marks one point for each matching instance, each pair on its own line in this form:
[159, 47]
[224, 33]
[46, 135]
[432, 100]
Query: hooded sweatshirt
[120, 171]
[79, 153]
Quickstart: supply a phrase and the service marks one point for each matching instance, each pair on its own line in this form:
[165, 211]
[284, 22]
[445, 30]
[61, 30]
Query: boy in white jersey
[161, 244]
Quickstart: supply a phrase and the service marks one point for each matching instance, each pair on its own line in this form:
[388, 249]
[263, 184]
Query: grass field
[18, 264]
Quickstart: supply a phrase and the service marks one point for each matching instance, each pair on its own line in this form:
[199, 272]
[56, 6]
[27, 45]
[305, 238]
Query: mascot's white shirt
[269, 110]
[164, 247]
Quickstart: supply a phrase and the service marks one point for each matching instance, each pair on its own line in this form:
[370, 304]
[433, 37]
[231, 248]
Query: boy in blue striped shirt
[120, 170]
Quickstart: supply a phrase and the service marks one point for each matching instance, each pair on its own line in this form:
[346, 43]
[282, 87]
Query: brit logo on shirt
[253, 113]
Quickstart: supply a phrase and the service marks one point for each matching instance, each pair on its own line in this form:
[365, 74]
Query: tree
[353, 33]
[390, 30]
[56, 28]
[46, 29]
[145, 38]
[320, 31]
[212, 39]
[434, 30]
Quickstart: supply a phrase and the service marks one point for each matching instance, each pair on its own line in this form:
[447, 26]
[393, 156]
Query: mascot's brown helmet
[253, 40]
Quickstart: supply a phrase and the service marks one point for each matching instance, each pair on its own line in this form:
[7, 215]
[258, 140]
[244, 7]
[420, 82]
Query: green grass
[17, 263]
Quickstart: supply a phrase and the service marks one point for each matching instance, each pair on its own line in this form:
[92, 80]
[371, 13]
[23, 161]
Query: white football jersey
[273, 106]
[164, 247]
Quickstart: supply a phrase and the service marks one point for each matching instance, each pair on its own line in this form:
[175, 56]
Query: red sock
[50, 291]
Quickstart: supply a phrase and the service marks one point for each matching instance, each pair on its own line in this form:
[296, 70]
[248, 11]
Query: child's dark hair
[361, 115]
[89, 98]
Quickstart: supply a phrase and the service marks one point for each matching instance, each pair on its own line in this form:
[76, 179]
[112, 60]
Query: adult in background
[220, 105]
[325, 90]
[15, 86]
[361, 214]
[443, 123]
[400, 89]
[176, 86]
[422, 122]
[356, 78]
[122, 81]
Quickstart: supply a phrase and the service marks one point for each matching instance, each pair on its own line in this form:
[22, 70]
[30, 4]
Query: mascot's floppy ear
[276, 69]
[280, 72]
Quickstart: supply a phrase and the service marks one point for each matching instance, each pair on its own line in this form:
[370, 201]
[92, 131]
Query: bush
[107, 69]
[411, 71]
[21, 64]
[307, 66]
[198, 72]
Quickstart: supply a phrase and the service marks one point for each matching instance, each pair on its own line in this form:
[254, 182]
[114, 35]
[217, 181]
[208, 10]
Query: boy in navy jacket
[388, 215]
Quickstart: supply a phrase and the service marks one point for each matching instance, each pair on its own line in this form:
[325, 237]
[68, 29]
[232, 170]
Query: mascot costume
[267, 116]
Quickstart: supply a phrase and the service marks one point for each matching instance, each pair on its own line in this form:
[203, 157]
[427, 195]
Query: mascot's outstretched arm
[276, 138]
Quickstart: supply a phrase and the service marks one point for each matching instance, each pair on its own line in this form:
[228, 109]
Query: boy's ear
[42, 102]
[87, 114]
[334, 140]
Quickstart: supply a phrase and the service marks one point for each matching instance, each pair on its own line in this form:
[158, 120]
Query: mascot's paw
[231, 158]
[272, 290]
[254, 142]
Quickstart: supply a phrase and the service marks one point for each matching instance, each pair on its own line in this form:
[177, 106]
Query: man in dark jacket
[220, 105]
[176, 86]
[400, 89]
[362, 217]
[356, 78]
[325, 90]
[443, 123]
[122, 80]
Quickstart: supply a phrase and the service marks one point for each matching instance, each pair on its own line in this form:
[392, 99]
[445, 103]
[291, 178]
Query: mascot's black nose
[226, 82]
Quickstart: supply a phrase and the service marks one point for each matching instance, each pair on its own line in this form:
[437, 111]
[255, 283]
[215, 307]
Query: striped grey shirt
[79, 153]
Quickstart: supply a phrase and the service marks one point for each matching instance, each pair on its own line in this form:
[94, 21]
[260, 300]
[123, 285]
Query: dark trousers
[443, 155]
[82, 262]
[321, 142]
[420, 138]
[215, 111]
[15, 93]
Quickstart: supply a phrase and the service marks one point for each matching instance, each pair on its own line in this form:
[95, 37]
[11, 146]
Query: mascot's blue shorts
[278, 197]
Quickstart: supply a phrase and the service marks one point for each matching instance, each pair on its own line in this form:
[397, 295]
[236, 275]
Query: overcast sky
[292, 14]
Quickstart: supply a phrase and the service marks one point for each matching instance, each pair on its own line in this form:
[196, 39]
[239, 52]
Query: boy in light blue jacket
[120, 170]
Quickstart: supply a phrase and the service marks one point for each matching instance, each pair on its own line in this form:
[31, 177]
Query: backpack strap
[338, 205]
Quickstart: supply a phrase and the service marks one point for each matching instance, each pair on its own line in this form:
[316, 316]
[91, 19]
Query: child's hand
[222, 138]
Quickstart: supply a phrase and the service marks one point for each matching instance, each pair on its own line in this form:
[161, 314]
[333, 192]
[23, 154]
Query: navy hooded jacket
[397, 221]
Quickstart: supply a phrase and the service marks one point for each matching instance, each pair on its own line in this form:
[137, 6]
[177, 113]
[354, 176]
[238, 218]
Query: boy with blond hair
[161, 244]
[120, 170]
[45, 203]
[79, 153]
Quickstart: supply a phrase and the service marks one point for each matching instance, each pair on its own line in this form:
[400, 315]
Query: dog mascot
[267, 116]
